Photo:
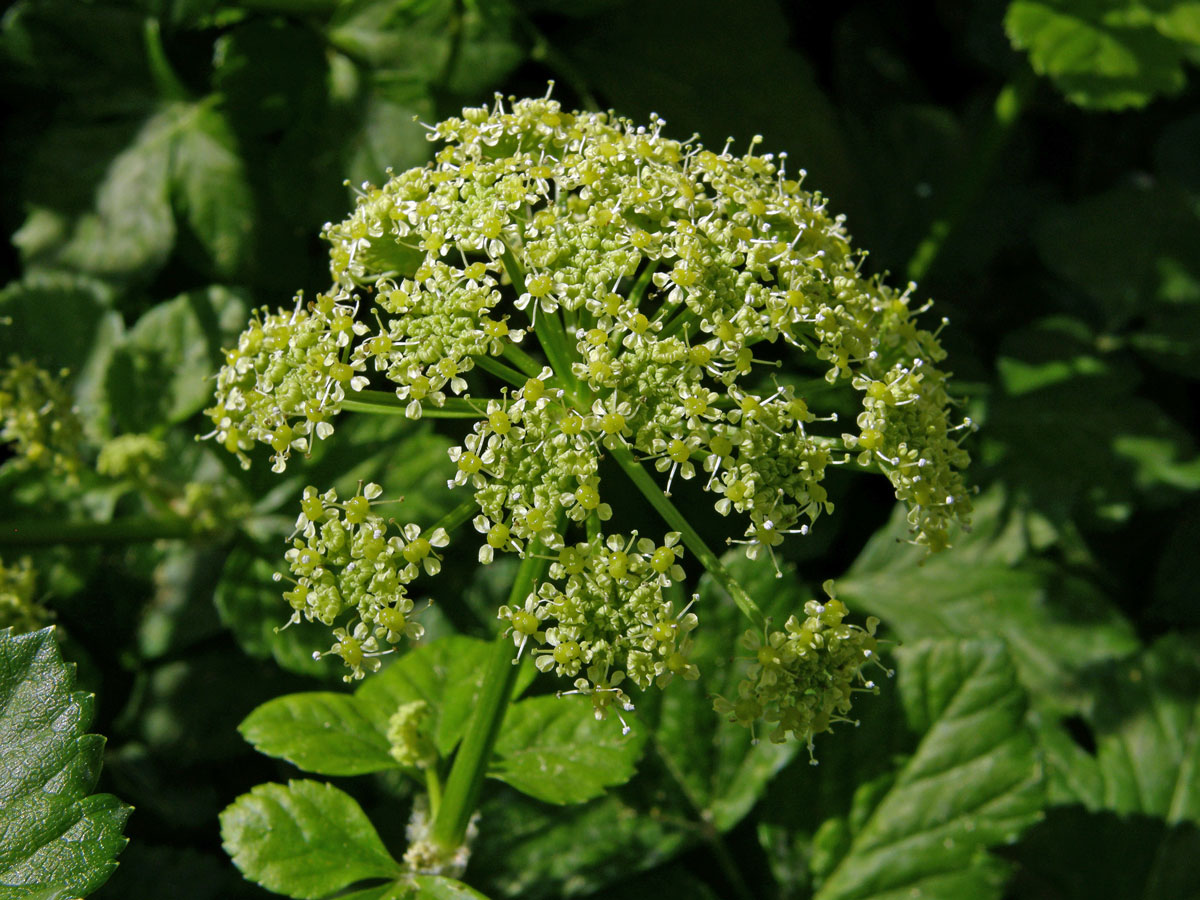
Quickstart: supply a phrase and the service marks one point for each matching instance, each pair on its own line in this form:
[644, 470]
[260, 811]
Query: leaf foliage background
[167, 166]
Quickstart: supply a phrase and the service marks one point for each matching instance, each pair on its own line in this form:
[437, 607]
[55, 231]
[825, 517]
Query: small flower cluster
[602, 616]
[19, 610]
[286, 378]
[132, 456]
[38, 415]
[801, 679]
[344, 561]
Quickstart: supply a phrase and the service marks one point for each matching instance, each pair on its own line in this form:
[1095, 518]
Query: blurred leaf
[249, 603]
[1079, 855]
[90, 54]
[161, 372]
[973, 782]
[389, 136]
[54, 832]
[1055, 626]
[1132, 249]
[1145, 715]
[554, 749]
[1177, 573]
[447, 674]
[304, 839]
[319, 732]
[210, 188]
[1106, 54]
[131, 230]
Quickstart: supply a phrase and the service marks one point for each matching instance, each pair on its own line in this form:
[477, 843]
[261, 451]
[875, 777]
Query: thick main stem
[461, 794]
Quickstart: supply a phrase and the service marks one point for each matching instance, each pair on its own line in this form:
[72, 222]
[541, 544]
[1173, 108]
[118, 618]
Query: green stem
[42, 532]
[691, 538]
[456, 517]
[522, 360]
[500, 370]
[433, 787]
[976, 174]
[165, 80]
[461, 795]
[548, 327]
[386, 404]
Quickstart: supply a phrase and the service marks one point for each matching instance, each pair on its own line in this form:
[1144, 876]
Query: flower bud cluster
[286, 378]
[343, 560]
[602, 617]
[19, 610]
[38, 416]
[801, 678]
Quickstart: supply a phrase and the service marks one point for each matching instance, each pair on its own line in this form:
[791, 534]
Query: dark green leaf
[974, 781]
[304, 839]
[1145, 717]
[530, 850]
[54, 833]
[554, 749]
[319, 732]
[1080, 855]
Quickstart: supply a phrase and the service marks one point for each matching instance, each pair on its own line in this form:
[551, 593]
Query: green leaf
[1145, 716]
[161, 372]
[1056, 626]
[54, 833]
[447, 674]
[974, 781]
[1103, 54]
[303, 839]
[210, 188]
[319, 732]
[554, 749]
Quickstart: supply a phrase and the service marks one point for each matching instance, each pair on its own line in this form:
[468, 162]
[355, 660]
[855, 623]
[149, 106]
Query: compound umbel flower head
[690, 309]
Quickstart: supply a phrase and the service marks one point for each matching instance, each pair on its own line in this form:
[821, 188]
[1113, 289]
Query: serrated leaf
[319, 732]
[54, 834]
[447, 674]
[161, 372]
[554, 749]
[210, 187]
[1102, 55]
[1145, 715]
[973, 782]
[304, 839]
